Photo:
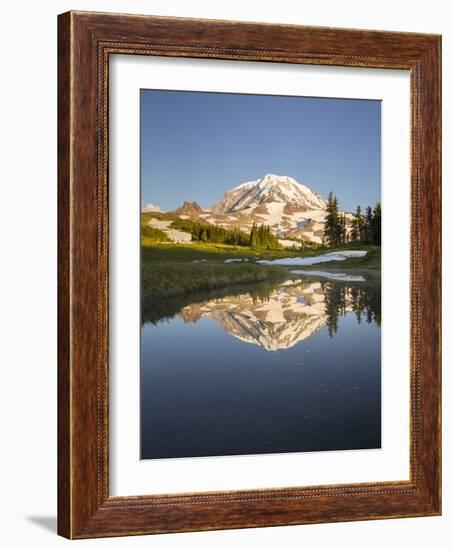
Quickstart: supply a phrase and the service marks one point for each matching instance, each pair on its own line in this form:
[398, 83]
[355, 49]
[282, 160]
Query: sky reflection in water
[262, 369]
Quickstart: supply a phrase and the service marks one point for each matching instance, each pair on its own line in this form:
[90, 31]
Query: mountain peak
[267, 179]
[271, 188]
[189, 207]
[273, 178]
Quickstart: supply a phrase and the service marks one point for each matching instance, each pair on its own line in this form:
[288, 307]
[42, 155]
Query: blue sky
[197, 145]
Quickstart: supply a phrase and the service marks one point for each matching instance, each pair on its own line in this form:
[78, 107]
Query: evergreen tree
[262, 237]
[367, 228]
[332, 228]
[376, 225]
[368, 225]
[253, 236]
[357, 226]
[343, 232]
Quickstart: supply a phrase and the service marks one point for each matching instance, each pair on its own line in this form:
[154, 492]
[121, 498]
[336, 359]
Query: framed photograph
[249, 275]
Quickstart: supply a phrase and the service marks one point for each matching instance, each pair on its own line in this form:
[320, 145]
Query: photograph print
[260, 274]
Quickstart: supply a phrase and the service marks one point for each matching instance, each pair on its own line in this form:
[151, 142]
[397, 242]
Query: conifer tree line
[260, 236]
[365, 227]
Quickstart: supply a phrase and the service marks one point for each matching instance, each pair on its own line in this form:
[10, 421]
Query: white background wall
[28, 214]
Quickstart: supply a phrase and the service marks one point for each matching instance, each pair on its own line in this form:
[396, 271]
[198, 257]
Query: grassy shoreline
[177, 269]
[170, 280]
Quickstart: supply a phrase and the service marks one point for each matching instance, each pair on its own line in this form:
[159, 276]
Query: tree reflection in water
[275, 316]
[363, 299]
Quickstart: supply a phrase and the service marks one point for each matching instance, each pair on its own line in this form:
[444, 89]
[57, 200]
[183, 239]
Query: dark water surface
[265, 369]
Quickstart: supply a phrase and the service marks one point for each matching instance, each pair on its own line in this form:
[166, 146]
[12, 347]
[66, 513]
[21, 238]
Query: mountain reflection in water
[268, 368]
[277, 317]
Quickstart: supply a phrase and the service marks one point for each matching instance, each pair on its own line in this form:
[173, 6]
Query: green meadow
[170, 269]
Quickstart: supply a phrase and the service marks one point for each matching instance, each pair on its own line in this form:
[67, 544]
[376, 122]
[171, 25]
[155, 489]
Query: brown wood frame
[85, 42]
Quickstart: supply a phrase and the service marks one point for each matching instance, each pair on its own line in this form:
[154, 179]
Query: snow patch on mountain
[288, 243]
[274, 213]
[174, 234]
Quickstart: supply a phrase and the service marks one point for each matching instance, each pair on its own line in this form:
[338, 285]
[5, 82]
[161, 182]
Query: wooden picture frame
[85, 42]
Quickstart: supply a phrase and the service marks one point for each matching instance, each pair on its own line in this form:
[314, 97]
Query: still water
[262, 369]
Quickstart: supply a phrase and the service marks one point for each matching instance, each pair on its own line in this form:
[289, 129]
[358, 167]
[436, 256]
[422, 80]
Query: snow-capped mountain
[269, 189]
[293, 211]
